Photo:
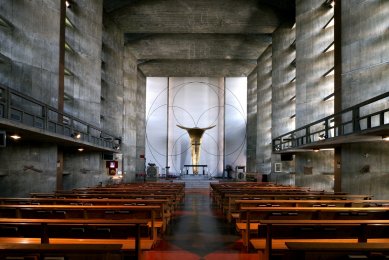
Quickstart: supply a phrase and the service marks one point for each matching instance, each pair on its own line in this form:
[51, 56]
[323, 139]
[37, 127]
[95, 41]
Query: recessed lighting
[15, 136]
[80, 149]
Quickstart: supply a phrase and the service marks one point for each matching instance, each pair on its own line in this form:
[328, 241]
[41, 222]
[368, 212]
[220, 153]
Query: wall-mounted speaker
[108, 156]
[3, 139]
[286, 157]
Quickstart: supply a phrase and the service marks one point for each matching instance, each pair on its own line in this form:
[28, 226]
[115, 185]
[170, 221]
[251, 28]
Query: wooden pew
[166, 204]
[171, 198]
[64, 251]
[44, 225]
[84, 212]
[256, 214]
[303, 203]
[231, 206]
[328, 230]
[333, 251]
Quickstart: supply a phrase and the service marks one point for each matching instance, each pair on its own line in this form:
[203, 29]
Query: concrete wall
[312, 86]
[97, 92]
[26, 168]
[365, 40]
[264, 110]
[283, 93]
[30, 48]
[130, 119]
[83, 87]
[283, 80]
[83, 96]
[141, 122]
[252, 122]
[112, 78]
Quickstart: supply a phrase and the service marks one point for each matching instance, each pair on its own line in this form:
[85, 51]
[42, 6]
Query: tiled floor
[199, 232]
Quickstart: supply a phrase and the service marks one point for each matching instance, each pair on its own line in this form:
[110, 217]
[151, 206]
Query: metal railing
[346, 122]
[18, 107]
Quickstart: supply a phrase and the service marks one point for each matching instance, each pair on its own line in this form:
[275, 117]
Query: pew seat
[332, 251]
[126, 244]
[273, 235]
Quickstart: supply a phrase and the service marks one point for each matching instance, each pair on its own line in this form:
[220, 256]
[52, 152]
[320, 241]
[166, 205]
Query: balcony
[365, 122]
[38, 122]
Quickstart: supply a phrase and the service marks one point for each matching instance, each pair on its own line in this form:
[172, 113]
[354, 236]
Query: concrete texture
[129, 144]
[312, 86]
[283, 83]
[365, 169]
[31, 46]
[31, 51]
[140, 122]
[198, 38]
[112, 78]
[251, 122]
[84, 85]
[365, 41]
[114, 51]
[264, 110]
[27, 168]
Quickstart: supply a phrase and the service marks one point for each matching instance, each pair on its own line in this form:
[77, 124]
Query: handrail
[16, 106]
[325, 129]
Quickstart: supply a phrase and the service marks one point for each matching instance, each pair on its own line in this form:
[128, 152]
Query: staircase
[195, 181]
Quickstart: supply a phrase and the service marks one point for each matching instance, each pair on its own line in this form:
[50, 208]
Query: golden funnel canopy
[195, 135]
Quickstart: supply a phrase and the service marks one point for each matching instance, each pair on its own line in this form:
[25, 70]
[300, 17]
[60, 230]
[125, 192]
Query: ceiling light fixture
[385, 138]
[15, 136]
[68, 4]
[316, 150]
[80, 149]
[76, 135]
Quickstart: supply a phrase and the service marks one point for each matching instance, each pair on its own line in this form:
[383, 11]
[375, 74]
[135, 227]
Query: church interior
[197, 129]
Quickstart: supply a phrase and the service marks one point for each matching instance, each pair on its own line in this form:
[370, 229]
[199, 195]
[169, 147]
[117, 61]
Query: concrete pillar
[365, 42]
[313, 84]
[141, 122]
[129, 142]
[83, 87]
[283, 93]
[264, 110]
[252, 122]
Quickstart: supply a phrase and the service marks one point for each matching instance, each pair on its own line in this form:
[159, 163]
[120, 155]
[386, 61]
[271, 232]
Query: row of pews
[116, 222]
[286, 222]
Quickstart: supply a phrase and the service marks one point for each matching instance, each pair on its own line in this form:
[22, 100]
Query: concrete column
[252, 121]
[283, 93]
[365, 41]
[264, 108]
[83, 87]
[313, 84]
[129, 142]
[141, 121]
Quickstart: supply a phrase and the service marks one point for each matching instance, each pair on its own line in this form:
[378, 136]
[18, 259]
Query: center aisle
[199, 231]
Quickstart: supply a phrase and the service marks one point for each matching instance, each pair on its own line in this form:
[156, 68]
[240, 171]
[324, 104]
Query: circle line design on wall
[174, 108]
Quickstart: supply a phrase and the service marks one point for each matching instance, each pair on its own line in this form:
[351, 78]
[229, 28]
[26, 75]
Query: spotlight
[68, 4]
[15, 136]
[76, 135]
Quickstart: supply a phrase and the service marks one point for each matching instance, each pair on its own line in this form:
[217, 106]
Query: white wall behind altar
[196, 102]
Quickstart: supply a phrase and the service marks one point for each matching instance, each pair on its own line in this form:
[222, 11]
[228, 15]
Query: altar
[194, 166]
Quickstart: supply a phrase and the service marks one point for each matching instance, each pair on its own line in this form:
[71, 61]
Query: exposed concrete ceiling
[198, 37]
